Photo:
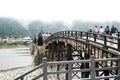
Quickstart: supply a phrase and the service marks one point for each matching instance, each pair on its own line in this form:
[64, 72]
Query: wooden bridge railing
[106, 41]
[45, 66]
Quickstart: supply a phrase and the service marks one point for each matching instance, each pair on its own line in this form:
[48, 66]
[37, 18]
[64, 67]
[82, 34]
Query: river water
[14, 58]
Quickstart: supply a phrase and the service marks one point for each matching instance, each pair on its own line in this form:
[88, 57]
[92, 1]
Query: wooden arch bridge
[88, 56]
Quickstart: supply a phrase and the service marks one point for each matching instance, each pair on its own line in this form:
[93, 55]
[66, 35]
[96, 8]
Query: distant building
[45, 36]
[26, 39]
[10, 40]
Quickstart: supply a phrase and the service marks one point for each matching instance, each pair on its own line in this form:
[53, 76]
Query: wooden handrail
[69, 71]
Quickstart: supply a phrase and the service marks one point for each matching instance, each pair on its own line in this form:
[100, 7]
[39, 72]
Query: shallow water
[15, 57]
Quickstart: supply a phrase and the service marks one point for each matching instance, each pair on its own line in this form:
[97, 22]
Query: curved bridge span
[80, 54]
[79, 45]
[66, 45]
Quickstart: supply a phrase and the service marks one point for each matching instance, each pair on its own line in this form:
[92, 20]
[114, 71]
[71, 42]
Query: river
[14, 58]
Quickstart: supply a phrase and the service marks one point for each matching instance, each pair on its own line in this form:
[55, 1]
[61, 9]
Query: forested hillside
[11, 28]
[38, 26]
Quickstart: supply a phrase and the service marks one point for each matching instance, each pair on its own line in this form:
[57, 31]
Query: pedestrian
[107, 30]
[89, 31]
[96, 29]
[114, 32]
[101, 31]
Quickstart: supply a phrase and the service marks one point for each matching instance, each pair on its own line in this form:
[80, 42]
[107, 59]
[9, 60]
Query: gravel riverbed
[13, 73]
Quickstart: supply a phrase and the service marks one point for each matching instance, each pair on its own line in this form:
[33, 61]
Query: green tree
[11, 28]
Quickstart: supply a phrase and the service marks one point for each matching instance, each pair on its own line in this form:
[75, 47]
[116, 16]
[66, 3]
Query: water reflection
[16, 57]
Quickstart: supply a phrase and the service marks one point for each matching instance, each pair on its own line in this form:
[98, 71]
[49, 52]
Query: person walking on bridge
[101, 30]
[114, 32]
[96, 29]
[107, 30]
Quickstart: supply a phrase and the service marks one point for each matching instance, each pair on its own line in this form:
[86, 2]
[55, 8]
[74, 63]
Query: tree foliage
[11, 28]
[36, 27]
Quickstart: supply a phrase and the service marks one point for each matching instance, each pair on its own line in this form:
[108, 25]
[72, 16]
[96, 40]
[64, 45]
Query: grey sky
[62, 10]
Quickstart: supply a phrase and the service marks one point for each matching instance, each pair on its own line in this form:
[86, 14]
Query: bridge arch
[79, 45]
[80, 42]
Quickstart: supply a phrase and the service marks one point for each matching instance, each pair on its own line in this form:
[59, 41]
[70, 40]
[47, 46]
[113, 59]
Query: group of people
[105, 31]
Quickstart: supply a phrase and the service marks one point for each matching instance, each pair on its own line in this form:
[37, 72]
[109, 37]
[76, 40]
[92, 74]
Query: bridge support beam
[69, 57]
[85, 65]
[97, 66]
[58, 58]
[93, 67]
[119, 67]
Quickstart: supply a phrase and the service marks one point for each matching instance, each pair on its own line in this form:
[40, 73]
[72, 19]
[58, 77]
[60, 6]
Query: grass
[12, 45]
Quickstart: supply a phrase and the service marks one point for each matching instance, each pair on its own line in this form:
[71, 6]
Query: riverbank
[14, 62]
[12, 45]
[13, 73]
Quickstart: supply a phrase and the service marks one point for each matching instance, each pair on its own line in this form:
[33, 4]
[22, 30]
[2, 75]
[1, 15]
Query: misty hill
[38, 26]
[83, 26]
[11, 28]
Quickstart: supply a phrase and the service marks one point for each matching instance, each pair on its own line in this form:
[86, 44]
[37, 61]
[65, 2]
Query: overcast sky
[61, 10]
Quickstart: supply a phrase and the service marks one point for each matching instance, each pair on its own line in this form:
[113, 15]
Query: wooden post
[118, 34]
[58, 57]
[87, 37]
[92, 67]
[70, 72]
[49, 56]
[63, 33]
[105, 41]
[97, 66]
[80, 34]
[76, 35]
[68, 34]
[52, 53]
[119, 44]
[44, 68]
[72, 33]
[94, 37]
[69, 57]
[85, 65]
[119, 67]
[106, 72]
